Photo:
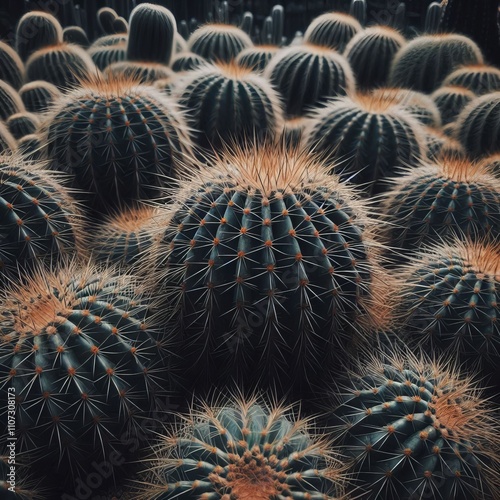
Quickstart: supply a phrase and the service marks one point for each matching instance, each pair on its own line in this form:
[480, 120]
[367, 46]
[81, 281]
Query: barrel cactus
[143, 72]
[427, 60]
[257, 58]
[451, 100]
[366, 138]
[187, 61]
[243, 449]
[86, 361]
[104, 56]
[416, 428]
[76, 35]
[21, 124]
[266, 269]
[117, 140]
[480, 78]
[307, 75]
[38, 95]
[11, 66]
[440, 146]
[10, 102]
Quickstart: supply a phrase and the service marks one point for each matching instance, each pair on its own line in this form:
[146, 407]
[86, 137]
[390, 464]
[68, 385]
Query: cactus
[480, 79]
[293, 131]
[436, 200]
[492, 163]
[31, 148]
[256, 58]
[7, 141]
[106, 17]
[451, 100]
[416, 428]
[145, 73]
[76, 35]
[370, 54]
[433, 17]
[357, 10]
[267, 269]
[476, 125]
[307, 75]
[62, 65]
[22, 124]
[16, 483]
[151, 34]
[427, 60]
[333, 30]
[226, 102]
[120, 25]
[371, 136]
[39, 95]
[37, 30]
[39, 218]
[117, 140]
[11, 66]
[86, 360]
[109, 40]
[10, 101]
[219, 42]
[187, 61]
[105, 56]
[245, 450]
[440, 146]
[451, 297]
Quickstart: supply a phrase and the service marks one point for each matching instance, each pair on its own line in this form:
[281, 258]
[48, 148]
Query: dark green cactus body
[85, 361]
[38, 95]
[11, 66]
[76, 35]
[477, 125]
[228, 103]
[307, 75]
[38, 219]
[31, 147]
[256, 58]
[265, 284]
[451, 100]
[10, 102]
[187, 61]
[118, 141]
[62, 65]
[104, 56]
[440, 146]
[397, 423]
[145, 73]
[370, 54]
[243, 451]
[451, 196]
[22, 124]
[480, 79]
[219, 42]
[333, 30]
[151, 34]
[452, 297]
[427, 60]
[368, 140]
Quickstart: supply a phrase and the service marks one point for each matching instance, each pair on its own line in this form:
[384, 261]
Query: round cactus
[106, 17]
[226, 103]
[39, 95]
[104, 56]
[480, 79]
[451, 296]
[476, 126]
[436, 200]
[370, 54]
[86, 361]
[21, 124]
[76, 35]
[243, 449]
[492, 163]
[416, 428]
[39, 218]
[267, 268]
[256, 58]
[151, 34]
[11, 66]
[187, 61]
[63, 65]
[7, 141]
[31, 147]
[440, 146]
[451, 100]
[294, 130]
[332, 30]
[145, 73]
[118, 141]
[219, 42]
[35, 31]
[307, 75]
[10, 101]
[366, 138]
[427, 60]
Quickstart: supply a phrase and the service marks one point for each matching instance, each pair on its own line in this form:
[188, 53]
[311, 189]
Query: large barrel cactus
[416, 428]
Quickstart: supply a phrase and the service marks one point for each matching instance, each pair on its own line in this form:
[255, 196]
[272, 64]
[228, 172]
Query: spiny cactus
[84, 355]
[267, 266]
[11, 66]
[256, 58]
[370, 54]
[39, 218]
[436, 200]
[187, 61]
[37, 30]
[21, 124]
[492, 163]
[417, 428]
[218, 42]
[109, 40]
[451, 100]
[294, 130]
[476, 126]
[31, 148]
[104, 56]
[10, 102]
[440, 146]
[480, 78]
[7, 141]
[63, 65]
[366, 138]
[151, 34]
[427, 60]
[76, 35]
[451, 296]
[38, 95]
[145, 73]
[332, 30]
[106, 17]
[245, 450]
[226, 102]
[307, 75]
[118, 141]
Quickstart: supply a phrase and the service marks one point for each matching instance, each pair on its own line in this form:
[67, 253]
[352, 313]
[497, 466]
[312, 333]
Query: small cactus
[480, 78]
[451, 100]
[145, 73]
[11, 66]
[256, 58]
[21, 124]
[10, 101]
[76, 35]
[104, 56]
[39, 95]
[187, 61]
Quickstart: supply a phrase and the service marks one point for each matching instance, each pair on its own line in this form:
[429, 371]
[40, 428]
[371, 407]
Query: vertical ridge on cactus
[21, 124]
[451, 100]
[10, 101]
[480, 78]
[38, 95]
[7, 141]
